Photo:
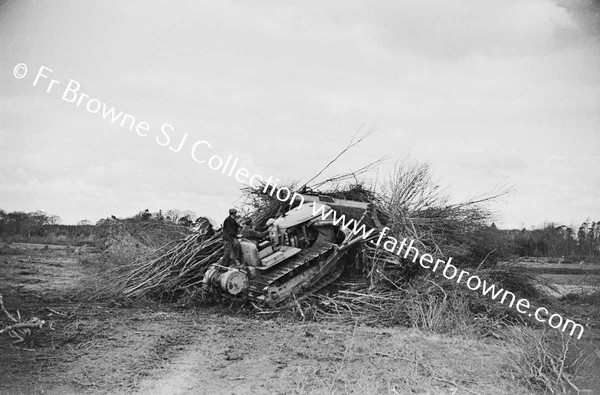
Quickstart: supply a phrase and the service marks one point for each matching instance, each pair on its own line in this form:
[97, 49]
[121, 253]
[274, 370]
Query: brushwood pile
[378, 286]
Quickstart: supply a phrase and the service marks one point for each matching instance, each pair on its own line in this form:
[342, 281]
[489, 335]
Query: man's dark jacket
[230, 229]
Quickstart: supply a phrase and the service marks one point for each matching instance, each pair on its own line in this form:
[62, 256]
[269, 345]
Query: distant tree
[22, 224]
[84, 222]
[582, 238]
[3, 222]
[594, 238]
[490, 244]
[36, 222]
[54, 220]
[19, 222]
[39, 217]
[567, 241]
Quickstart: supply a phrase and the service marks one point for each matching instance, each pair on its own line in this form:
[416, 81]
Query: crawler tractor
[303, 253]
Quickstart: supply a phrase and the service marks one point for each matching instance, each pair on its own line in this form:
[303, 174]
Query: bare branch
[351, 144]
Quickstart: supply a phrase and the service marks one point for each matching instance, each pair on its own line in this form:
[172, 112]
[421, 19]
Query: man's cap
[232, 211]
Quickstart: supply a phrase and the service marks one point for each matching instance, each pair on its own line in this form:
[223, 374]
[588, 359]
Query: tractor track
[262, 281]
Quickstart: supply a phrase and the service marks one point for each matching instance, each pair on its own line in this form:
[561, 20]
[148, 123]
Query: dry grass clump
[422, 303]
[439, 311]
[543, 363]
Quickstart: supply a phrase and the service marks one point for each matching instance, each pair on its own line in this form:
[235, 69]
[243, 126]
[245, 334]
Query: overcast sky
[488, 92]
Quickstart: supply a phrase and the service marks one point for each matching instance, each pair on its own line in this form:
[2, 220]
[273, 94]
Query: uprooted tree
[18, 328]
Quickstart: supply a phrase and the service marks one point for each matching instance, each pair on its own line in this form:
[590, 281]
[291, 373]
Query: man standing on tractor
[231, 244]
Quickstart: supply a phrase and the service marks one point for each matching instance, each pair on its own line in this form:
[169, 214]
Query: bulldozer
[304, 252]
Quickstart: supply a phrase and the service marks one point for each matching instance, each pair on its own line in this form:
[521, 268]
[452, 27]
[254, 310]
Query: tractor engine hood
[301, 214]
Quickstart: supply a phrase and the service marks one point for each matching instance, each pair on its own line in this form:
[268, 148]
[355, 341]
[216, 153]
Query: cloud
[586, 12]
[482, 90]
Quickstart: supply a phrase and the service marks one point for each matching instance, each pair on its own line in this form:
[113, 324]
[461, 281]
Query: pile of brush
[142, 235]
[384, 288]
[164, 272]
[179, 266]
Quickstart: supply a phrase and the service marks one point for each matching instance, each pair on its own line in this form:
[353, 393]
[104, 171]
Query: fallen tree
[19, 329]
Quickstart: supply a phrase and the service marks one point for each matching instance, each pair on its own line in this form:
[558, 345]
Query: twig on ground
[55, 312]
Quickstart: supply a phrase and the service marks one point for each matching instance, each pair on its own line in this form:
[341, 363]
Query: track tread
[264, 280]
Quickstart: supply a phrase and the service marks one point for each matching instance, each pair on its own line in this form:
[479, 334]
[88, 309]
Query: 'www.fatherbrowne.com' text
[427, 261]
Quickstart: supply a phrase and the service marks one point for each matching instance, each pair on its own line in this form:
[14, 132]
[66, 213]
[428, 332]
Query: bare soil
[121, 347]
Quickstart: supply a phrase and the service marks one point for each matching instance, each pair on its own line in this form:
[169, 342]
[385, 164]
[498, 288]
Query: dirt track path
[244, 356]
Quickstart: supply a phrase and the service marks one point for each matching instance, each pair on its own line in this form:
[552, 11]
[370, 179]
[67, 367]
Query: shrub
[542, 362]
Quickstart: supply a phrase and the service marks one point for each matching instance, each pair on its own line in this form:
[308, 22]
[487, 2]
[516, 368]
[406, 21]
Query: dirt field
[568, 278]
[115, 347]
